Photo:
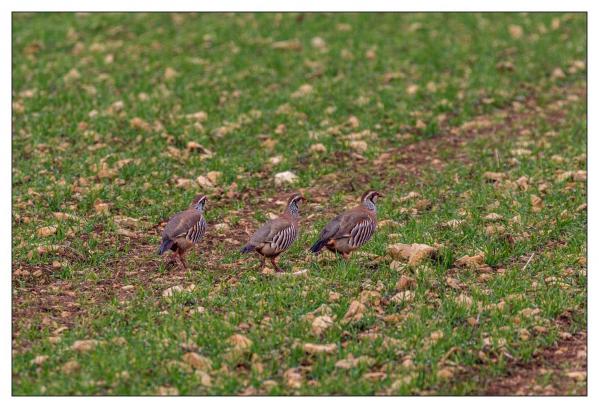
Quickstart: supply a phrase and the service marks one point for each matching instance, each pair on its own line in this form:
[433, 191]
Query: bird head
[295, 198]
[369, 199]
[293, 203]
[199, 202]
[371, 195]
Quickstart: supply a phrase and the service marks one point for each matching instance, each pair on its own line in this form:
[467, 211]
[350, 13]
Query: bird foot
[274, 265]
[171, 263]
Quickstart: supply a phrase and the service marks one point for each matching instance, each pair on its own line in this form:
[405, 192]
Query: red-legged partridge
[351, 229]
[184, 229]
[276, 236]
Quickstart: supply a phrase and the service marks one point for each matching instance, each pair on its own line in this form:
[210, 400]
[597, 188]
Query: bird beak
[380, 195]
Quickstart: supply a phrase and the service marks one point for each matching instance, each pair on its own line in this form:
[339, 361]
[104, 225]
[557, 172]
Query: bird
[350, 229]
[184, 229]
[277, 235]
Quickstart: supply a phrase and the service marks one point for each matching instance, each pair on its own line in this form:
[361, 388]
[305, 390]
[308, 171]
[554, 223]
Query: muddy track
[558, 370]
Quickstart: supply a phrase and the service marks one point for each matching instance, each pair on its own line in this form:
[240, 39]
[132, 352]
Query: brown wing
[351, 223]
[180, 224]
[349, 220]
[267, 232]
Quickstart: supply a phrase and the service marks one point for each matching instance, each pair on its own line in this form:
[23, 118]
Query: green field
[473, 125]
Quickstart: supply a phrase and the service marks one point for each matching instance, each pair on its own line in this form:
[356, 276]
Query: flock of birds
[342, 235]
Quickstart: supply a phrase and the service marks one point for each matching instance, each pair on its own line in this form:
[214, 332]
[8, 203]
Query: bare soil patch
[559, 370]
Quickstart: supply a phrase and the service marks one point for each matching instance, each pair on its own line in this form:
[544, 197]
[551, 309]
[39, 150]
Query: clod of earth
[414, 253]
[286, 177]
[197, 361]
[354, 313]
[319, 348]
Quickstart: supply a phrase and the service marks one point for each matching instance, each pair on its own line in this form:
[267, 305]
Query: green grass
[64, 129]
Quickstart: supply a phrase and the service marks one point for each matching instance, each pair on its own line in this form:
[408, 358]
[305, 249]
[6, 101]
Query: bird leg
[274, 263]
[345, 255]
[182, 258]
[262, 261]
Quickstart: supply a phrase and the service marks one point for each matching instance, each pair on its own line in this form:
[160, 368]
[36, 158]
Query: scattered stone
[493, 217]
[47, 231]
[414, 253]
[405, 282]
[464, 300]
[388, 223]
[375, 376]
[411, 195]
[354, 313]
[140, 124]
[320, 324]
[471, 261]
[319, 348]
[359, 146]
[197, 361]
[515, 31]
[204, 182]
[198, 116]
[286, 177]
[170, 73]
[293, 377]
[198, 148]
[558, 73]
[492, 176]
[445, 373]
[318, 148]
[577, 375]
[403, 296]
[170, 292]
[412, 89]
[84, 345]
[291, 45]
[423, 204]
[214, 176]
[536, 202]
[302, 91]
[72, 75]
[580, 175]
[319, 43]
[183, 182]
[39, 360]
[301, 272]
[70, 367]
[239, 341]
[452, 223]
[168, 391]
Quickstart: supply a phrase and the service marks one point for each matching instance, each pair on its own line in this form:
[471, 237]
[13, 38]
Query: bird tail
[165, 246]
[247, 248]
[318, 245]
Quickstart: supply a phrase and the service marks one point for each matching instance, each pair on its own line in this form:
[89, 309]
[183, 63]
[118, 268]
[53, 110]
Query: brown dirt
[559, 370]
